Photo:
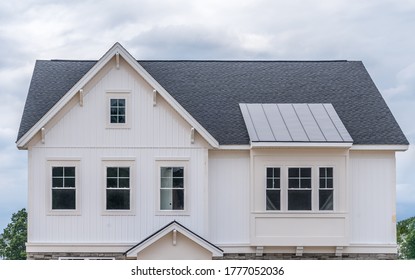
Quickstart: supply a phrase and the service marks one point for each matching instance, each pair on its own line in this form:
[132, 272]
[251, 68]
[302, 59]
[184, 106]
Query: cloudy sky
[378, 32]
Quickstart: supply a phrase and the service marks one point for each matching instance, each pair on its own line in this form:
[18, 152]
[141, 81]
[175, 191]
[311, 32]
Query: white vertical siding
[81, 132]
[229, 197]
[94, 226]
[372, 197]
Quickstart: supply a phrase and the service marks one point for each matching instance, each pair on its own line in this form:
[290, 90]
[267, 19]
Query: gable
[148, 124]
[174, 241]
[28, 131]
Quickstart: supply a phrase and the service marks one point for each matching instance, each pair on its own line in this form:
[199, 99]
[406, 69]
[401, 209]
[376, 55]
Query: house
[136, 159]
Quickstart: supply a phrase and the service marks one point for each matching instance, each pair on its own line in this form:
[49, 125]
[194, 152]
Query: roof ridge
[205, 60]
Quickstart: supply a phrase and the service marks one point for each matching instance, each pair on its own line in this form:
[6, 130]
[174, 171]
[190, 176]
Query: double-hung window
[63, 188]
[299, 188]
[172, 188]
[325, 193]
[118, 188]
[273, 188]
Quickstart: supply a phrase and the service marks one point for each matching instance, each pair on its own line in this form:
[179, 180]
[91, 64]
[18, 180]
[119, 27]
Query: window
[325, 194]
[172, 188]
[118, 188]
[299, 189]
[117, 110]
[63, 188]
[273, 188]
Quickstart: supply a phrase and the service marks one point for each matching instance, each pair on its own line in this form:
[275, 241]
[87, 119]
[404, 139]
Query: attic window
[117, 108]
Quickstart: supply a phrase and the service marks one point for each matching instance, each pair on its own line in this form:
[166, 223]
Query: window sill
[64, 213]
[172, 213]
[118, 213]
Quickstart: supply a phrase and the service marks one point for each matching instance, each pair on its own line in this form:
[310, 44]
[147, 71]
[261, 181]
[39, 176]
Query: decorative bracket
[339, 251]
[81, 97]
[42, 134]
[117, 60]
[154, 97]
[192, 135]
[259, 251]
[299, 251]
[174, 237]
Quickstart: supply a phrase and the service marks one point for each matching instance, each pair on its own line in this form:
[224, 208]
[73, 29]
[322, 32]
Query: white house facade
[200, 160]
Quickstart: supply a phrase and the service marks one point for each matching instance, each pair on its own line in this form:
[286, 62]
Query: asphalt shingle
[212, 90]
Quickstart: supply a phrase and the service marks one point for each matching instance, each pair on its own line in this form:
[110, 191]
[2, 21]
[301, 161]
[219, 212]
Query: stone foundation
[250, 256]
[316, 256]
[56, 256]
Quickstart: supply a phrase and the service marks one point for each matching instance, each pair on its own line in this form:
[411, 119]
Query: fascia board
[380, 148]
[299, 145]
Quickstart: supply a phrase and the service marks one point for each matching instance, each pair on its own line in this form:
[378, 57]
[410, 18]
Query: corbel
[339, 251]
[117, 60]
[81, 97]
[42, 134]
[174, 237]
[299, 251]
[154, 98]
[192, 135]
[259, 251]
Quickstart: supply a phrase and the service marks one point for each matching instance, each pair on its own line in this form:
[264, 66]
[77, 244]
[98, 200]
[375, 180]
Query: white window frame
[121, 94]
[281, 187]
[315, 188]
[333, 189]
[62, 162]
[118, 162]
[173, 163]
[286, 185]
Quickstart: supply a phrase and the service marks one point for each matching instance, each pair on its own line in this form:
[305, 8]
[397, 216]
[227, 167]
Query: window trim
[50, 163]
[172, 163]
[121, 94]
[118, 162]
[315, 188]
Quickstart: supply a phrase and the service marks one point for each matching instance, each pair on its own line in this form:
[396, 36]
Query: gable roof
[210, 92]
[174, 225]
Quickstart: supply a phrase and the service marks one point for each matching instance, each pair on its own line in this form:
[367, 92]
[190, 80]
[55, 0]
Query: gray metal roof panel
[297, 122]
[325, 123]
[308, 122]
[212, 90]
[338, 123]
[293, 123]
[278, 126]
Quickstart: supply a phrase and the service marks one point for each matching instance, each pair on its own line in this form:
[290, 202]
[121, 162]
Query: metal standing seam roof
[293, 123]
[211, 92]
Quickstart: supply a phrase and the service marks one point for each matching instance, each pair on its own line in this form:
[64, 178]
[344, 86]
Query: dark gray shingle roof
[212, 90]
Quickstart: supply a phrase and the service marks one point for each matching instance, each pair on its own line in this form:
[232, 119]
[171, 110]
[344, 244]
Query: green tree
[406, 238]
[12, 242]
